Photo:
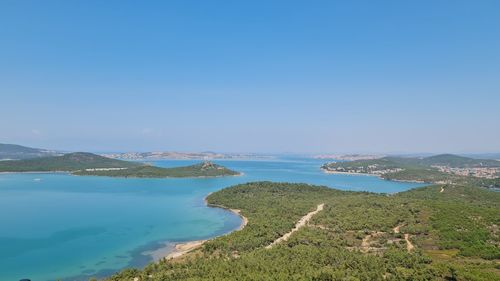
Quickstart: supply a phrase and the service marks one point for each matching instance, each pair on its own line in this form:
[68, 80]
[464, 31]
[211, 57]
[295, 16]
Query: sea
[56, 226]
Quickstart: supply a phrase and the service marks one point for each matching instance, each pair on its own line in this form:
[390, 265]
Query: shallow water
[69, 227]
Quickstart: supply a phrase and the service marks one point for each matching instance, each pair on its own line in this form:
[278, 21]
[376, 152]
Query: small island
[204, 169]
[88, 164]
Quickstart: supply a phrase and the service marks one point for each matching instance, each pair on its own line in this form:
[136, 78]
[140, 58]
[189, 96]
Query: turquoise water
[68, 227]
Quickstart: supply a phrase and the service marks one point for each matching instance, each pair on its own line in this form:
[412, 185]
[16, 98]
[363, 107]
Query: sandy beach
[173, 251]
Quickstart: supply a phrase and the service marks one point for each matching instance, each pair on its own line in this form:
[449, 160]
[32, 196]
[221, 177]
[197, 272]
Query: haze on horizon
[256, 76]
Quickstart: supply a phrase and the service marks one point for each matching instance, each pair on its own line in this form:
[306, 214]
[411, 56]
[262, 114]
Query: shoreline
[72, 173]
[350, 173]
[134, 177]
[37, 172]
[173, 250]
[373, 175]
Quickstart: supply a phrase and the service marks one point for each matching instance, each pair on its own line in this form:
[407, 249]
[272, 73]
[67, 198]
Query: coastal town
[478, 172]
[373, 169]
[172, 155]
[349, 157]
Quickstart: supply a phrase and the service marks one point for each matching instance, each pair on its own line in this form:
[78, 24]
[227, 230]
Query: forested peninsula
[439, 232]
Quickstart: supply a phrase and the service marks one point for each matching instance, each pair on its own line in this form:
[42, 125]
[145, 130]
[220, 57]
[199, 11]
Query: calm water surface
[61, 226]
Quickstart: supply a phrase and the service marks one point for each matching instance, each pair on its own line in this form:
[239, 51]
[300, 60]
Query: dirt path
[366, 242]
[396, 229]
[302, 222]
[409, 245]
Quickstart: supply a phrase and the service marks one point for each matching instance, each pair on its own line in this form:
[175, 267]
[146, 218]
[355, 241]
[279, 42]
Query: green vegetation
[455, 234]
[81, 163]
[445, 168]
[457, 161]
[205, 169]
[423, 174]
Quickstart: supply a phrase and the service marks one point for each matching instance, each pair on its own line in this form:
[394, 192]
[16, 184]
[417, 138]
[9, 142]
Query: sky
[251, 76]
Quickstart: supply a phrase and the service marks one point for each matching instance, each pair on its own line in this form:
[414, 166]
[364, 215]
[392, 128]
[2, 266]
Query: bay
[58, 226]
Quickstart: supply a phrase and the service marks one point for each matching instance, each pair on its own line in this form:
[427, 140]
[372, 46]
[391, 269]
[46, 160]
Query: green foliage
[420, 169]
[463, 217]
[206, 169]
[419, 174]
[284, 205]
[328, 248]
[458, 161]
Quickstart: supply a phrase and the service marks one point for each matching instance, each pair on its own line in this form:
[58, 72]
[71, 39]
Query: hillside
[444, 168]
[433, 233]
[205, 169]
[68, 162]
[16, 152]
[456, 161]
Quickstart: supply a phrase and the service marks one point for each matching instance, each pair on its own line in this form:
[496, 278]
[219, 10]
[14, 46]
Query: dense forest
[440, 232]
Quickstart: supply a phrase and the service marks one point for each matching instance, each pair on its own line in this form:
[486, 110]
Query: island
[440, 169]
[204, 169]
[84, 163]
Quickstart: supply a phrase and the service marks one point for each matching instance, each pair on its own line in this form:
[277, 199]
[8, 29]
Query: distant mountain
[158, 155]
[448, 160]
[16, 152]
[452, 160]
[495, 156]
[68, 162]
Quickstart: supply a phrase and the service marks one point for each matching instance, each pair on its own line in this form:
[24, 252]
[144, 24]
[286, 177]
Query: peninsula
[443, 168]
[307, 232]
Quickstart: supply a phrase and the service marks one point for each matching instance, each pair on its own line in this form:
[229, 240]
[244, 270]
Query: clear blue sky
[251, 76]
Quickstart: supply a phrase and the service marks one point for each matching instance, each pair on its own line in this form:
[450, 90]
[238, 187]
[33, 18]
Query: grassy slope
[197, 170]
[454, 232]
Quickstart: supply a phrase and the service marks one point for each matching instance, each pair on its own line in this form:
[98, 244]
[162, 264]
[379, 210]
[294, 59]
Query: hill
[444, 168]
[456, 161]
[440, 232]
[67, 162]
[16, 152]
[205, 169]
